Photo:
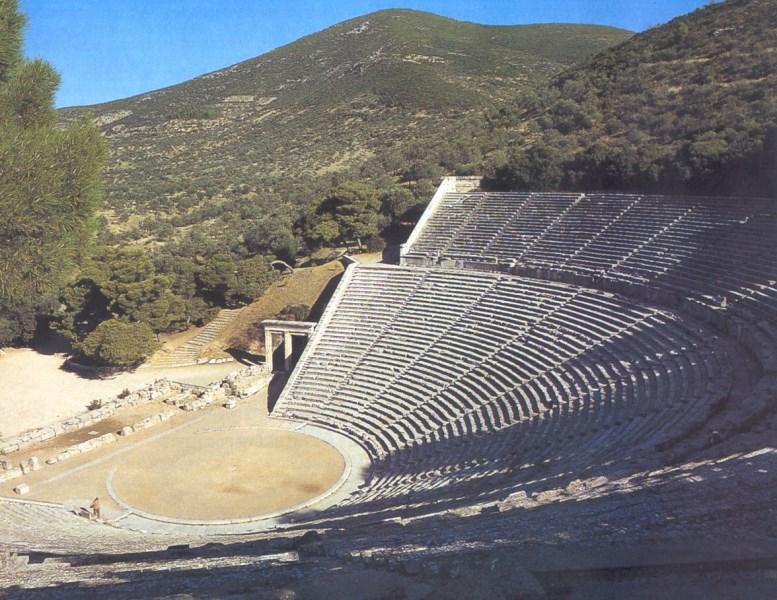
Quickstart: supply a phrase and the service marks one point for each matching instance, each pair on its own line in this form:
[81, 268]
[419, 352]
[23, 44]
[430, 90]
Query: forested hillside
[393, 92]
[334, 139]
[339, 138]
[686, 107]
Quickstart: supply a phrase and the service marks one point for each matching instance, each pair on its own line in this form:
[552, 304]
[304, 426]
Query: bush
[194, 112]
[118, 343]
[375, 243]
[295, 312]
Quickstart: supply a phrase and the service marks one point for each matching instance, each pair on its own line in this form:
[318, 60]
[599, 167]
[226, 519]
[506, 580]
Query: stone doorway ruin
[289, 330]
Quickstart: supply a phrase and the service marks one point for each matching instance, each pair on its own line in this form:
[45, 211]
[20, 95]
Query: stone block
[85, 446]
[167, 415]
[145, 423]
[107, 438]
[490, 509]
[9, 449]
[576, 486]
[68, 453]
[517, 497]
[22, 489]
[10, 474]
[548, 495]
[194, 405]
[101, 413]
[47, 434]
[126, 430]
[230, 404]
[11, 561]
[28, 466]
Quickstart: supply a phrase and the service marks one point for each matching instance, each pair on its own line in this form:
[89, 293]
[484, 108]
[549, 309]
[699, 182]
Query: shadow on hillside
[323, 299]
[50, 343]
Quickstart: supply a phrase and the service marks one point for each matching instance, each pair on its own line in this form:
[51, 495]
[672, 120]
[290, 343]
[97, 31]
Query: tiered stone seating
[711, 256]
[456, 209]
[447, 376]
[589, 334]
[37, 526]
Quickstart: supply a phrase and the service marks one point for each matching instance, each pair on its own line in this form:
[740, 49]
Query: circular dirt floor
[220, 473]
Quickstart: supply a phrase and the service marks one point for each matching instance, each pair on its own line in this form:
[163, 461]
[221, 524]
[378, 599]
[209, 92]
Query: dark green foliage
[27, 98]
[166, 295]
[413, 86]
[217, 276]
[118, 343]
[11, 24]
[49, 187]
[252, 277]
[686, 107]
[82, 308]
[120, 283]
[17, 322]
[270, 235]
[375, 243]
[228, 282]
[349, 212]
[396, 201]
[294, 312]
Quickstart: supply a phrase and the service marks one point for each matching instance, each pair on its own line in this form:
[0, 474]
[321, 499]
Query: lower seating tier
[475, 374]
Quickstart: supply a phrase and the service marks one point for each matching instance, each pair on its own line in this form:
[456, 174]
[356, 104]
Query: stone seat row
[716, 253]
[594, 365]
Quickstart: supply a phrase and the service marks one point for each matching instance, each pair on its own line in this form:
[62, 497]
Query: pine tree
[49, 186]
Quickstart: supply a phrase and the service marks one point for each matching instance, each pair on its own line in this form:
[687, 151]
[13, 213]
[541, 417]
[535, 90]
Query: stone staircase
[189, 353]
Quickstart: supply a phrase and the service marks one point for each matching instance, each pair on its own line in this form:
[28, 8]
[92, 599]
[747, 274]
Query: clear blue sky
[109, 49]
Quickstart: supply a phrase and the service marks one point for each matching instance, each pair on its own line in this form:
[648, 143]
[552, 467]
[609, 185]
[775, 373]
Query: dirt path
[35, 391]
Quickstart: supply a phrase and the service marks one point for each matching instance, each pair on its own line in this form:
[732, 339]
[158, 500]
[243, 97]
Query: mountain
[685, 107]
[328, 103]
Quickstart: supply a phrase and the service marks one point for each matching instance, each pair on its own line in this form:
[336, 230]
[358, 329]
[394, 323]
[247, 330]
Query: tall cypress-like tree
[49, 186]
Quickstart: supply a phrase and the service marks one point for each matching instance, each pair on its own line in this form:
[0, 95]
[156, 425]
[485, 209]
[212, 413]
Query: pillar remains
[288, 329]
[287, 350]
